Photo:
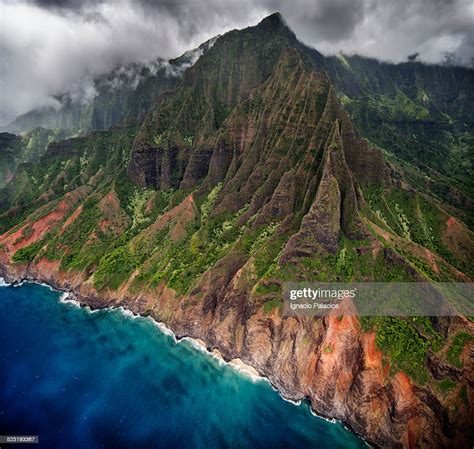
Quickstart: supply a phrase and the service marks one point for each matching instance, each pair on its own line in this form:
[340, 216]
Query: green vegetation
[343, 264]
[137, 206]
[28, 253]
[446, 384]
[267, 288]
[124, 188]
[454, 352]
[114, 269]
[197, 252]
[25, 234]
[265, 259]
[406, 342]
[159, 138]
[188, 140]
[400, 109]
[463, 395]
[206, 207]
[76, 254]
[396, 108]
[257, 238]
[413, 217]
[269, 306]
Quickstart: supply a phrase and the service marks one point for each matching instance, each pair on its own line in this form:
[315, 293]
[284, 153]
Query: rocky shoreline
[352, 387]
[95, 303]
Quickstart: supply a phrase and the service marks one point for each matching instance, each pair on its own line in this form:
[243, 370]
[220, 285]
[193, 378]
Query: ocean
[104, 379]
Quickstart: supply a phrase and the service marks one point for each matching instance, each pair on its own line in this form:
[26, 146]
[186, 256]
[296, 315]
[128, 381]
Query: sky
[48, 47]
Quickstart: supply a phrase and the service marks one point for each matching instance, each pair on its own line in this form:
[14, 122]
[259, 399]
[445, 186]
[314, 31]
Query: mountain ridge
[431, 137]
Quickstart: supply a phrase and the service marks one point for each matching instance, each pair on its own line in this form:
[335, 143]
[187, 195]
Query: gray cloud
[322, 20]
[47, 46]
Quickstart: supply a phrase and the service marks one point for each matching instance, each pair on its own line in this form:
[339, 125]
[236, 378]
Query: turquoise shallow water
[104, 380]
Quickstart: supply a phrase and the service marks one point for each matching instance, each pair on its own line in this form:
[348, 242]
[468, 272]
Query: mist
[48, 47]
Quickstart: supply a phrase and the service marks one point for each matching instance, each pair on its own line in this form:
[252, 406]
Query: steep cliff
[10, 147]
[420, 114]
[15, 150]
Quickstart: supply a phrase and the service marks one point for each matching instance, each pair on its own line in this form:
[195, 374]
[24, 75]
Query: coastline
[70, 297]
[288, 354]
[344, 385]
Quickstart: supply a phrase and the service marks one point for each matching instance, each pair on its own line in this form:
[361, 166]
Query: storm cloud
[48, 47]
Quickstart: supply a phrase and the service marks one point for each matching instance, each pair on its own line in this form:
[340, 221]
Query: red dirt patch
[338, 328]
[387, 236]
[149, 205]
[115, 219]
[71, 219]
[452, 223]
[373, 357]
[460, 241]
[403, 391]
[110, 201]
[103, 224]
[180, 215]
[39, 228]
[45, 265]
[430, 257]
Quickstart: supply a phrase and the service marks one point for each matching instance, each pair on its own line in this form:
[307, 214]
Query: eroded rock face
[328, 360]
[334, 209]
[9, 149]
[161, 168]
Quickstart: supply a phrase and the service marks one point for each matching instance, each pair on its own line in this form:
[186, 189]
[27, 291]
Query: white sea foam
[64, 297]
[331, 420]
[163, 328]
[43, 284]
[67, 298]
[125, 312]
[291, 401]
[195, 344]
[4, 283]
[237, 365]
[246, 370]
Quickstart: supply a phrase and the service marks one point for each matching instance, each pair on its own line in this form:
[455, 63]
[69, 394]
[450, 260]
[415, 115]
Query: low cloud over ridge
[46, 46]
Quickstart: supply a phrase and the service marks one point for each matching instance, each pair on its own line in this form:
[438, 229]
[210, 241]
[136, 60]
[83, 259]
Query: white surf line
[4, 283]
[67, 298]
[236, 365]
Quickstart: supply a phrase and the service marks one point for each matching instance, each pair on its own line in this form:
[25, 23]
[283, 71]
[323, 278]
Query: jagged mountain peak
[274, 18]
[272, 27]
[274, 21]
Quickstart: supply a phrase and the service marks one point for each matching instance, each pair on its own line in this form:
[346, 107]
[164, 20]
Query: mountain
[251, 171]
[421, 115]
[15, 150]
[127, 92]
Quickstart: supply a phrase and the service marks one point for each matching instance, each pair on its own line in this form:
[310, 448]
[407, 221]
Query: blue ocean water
[103, 380]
